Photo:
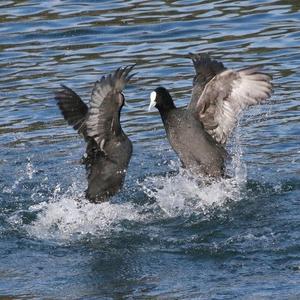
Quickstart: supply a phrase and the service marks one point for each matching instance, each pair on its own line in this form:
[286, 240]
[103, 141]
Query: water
[166, 235]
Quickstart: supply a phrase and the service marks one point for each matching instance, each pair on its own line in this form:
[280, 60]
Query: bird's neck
[165, 113]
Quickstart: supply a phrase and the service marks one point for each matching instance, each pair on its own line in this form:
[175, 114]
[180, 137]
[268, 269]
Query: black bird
[199, 132]
[108, 148]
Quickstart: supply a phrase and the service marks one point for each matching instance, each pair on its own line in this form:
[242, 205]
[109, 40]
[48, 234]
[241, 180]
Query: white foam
[69, 216]
[184, 194]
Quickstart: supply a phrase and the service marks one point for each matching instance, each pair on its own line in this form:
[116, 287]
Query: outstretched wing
[106, 101]
[72, 107]
[206, 69]
[226, 95]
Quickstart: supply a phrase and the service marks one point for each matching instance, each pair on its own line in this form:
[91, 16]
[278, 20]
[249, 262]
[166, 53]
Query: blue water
[165, 236]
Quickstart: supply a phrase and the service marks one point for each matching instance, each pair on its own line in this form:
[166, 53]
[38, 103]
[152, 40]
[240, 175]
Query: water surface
[165, 236]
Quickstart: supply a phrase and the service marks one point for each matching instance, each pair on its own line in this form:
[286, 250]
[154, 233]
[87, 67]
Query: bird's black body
[195, 147]
[106, 172]
[108, 150]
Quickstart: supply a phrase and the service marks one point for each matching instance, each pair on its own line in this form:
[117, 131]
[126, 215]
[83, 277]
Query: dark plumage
[199, 132]
[108, 148]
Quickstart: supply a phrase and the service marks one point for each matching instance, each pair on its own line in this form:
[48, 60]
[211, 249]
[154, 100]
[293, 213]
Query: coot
[199, 132]
[108, 148]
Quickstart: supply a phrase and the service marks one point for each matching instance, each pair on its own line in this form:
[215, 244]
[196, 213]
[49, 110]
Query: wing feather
[206, 69]
[105, 102]
[226, 95]
[72, 108]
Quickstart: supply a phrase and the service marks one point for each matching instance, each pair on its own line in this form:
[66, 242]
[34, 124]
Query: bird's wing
[105, 103]
[205, 69]
[226, 95]
[72, 107]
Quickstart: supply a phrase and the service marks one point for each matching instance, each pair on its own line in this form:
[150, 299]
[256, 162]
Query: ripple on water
[230, 238]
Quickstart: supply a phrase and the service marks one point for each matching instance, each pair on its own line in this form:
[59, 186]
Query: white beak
[152, 100]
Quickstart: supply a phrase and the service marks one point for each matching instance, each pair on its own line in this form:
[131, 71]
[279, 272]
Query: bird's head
[161, 99]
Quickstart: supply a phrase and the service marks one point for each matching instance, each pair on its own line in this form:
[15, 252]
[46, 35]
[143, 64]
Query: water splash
[21, 176]
[185, 194]
[30, 170]
[69, 216]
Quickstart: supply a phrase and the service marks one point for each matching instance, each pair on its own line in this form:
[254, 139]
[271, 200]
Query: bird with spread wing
[199, 132]
[108, 149]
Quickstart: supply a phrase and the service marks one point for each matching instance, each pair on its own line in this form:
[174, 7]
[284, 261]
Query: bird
[108, 148]
[198, 132]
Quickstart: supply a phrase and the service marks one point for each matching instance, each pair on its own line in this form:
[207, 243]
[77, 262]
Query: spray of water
[185, 194]
[67, 215]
